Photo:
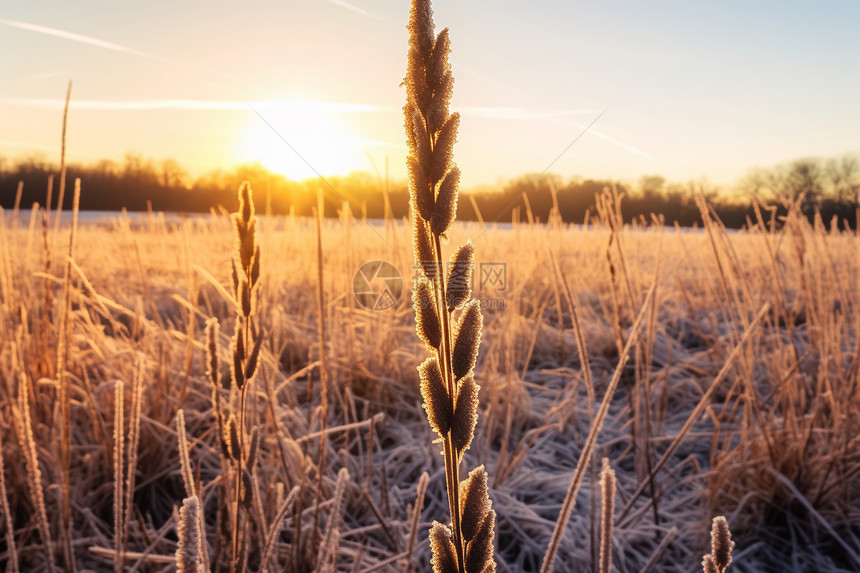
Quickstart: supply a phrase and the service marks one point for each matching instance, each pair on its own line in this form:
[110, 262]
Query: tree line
[830, 187]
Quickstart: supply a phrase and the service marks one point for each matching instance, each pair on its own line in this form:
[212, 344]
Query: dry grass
[775, 448]
[448, 384]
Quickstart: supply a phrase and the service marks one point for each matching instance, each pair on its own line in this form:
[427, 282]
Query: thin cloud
[77, 38]
[187, 104]
[355, 9]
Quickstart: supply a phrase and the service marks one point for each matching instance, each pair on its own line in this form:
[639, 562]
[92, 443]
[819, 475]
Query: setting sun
[300, 140]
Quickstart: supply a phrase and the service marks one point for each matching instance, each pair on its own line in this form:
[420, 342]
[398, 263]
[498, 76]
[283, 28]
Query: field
[751, 337]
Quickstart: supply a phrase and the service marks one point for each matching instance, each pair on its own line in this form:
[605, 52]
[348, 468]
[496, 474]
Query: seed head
[444, 558]
[459, 285]
[467, 339]
[445, 210]
[437, 402]
[465, 414]
[426, 315]
[474, 502]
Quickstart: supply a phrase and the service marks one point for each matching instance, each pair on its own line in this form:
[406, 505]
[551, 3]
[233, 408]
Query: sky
[612, 90]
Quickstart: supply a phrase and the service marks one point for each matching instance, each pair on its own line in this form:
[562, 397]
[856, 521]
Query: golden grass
[746, 420]
[448, 384]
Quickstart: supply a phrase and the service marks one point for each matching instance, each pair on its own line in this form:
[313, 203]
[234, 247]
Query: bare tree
[843, 175]
[172, 174]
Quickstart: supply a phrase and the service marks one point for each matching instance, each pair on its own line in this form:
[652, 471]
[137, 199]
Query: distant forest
[826, 186]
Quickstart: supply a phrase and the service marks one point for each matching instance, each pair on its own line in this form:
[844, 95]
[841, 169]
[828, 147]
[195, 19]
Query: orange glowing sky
[312, 86]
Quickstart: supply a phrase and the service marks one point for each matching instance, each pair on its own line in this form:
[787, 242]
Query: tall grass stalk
[118, 454]
[65, 387]
[11, 548]
[607, 507]
[245, 347]
[321, 332]
[62, 190]
[190, 544]
[24, 427]
[133, 445]
[447, 380]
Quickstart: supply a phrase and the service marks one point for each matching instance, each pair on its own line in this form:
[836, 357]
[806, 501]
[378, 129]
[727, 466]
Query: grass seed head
[445, 210]
[467, 339]
[721, 543]
[443, 152]
[420, 145]
[426, 315]
[474, 502]
[479, 551]
[246, 202]
[437, 113]
[231, 436]
[247, 491]
[465, 414]
[254, 447]
[189, 550]
[420, 189]
[437, 402]
[444, 558]
[253, 359]
[423, 248]
[460, 275]
[438, 65]
[212, 351]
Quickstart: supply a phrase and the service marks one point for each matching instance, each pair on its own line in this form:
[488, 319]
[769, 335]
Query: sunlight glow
[321, 144]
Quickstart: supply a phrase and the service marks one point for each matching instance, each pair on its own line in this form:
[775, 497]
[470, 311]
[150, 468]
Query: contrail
[77, 38]
[355, 9]
[621, 144]
[522, 113]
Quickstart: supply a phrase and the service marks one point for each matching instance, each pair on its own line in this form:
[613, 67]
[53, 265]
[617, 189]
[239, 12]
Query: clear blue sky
[686, 89]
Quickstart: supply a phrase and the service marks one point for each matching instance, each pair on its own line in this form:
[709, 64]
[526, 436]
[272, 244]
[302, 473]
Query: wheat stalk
[447, 381]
